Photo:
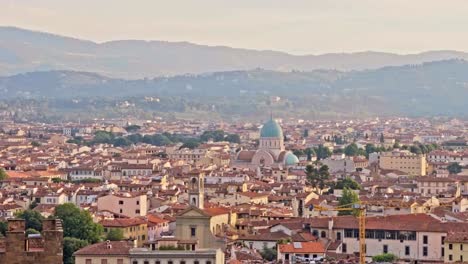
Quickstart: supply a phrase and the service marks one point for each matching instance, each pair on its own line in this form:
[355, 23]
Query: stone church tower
[196, 189]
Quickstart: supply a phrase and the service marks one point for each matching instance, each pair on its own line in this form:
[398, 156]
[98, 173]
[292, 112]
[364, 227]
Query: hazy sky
[296, 26]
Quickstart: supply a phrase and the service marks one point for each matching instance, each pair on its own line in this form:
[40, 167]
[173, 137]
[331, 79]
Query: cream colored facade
[456, 252]
[415, 165]
[102, 259]
[195, 224]
[128, 205]
[202, 256]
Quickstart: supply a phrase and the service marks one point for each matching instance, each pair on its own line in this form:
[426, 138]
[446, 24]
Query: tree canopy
[78, 224]
[318, 177]
[3, 175]
[115, 234]
[322, 152]
[454, 168]
[386, 257]
[348, 198]
[70, 245]
[32, 218]
[347, 183]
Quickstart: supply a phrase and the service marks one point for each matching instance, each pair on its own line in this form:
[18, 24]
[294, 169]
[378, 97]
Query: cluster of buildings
[248, 202]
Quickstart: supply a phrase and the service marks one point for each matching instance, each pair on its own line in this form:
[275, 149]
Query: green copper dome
[291, 159]
[271, 129]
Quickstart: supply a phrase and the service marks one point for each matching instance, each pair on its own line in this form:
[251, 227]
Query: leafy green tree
[309, 153]
[3, 228]
[351, 150]
[386, 257]
[56, 180]
[132, 128]
[348, 199]
[3, 175]
[347, 183]
[33, 219]
[78, 224]
[415, 149]
[70, 245]
[115, 234]
[268, 254]
[318, 178]
[121, 142]
[35, 144]
[103, 137]
[190, 144]
[31, 231]
[454, 168]
[233, 138]
[322, 152]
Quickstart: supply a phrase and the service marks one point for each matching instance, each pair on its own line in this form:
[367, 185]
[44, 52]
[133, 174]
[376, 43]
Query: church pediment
[193, 212]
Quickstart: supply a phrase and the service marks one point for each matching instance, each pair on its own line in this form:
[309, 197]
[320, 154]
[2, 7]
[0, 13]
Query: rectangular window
[425, 239]
[193, 231]
[450, 246]
[450, 257]
[425, 251]
[407, 250]
[137, 211]
[461, 246]
[385, 249]
[157, 262]
[138, 202]
[120, 202]
[103, 261]
[344, 248]
[146, 262]
[443, 251]
[170, 262]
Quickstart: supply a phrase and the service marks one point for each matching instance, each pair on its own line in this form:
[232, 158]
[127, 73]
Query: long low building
[124, 252]
[410, 237]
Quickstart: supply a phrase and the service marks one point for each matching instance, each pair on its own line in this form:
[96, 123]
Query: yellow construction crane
[361, 209]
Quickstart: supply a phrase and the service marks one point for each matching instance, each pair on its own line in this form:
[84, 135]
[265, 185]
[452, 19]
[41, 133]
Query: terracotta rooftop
[302, 247]
[113, 248]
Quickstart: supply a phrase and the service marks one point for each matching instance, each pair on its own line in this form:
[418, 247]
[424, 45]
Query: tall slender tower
[196, 188]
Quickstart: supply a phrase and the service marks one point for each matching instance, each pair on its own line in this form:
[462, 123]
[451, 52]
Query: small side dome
[291, 159]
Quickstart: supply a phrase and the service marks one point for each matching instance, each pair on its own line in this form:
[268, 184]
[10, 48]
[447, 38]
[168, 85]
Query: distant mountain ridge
[435, 88]
[27, 51]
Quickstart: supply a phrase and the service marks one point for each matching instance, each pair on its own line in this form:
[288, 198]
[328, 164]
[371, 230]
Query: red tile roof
[303, 247]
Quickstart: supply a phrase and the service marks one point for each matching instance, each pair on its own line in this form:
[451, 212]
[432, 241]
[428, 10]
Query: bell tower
[196, 189]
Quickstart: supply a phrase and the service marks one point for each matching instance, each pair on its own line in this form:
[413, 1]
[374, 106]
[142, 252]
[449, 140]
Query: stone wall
[19, 250]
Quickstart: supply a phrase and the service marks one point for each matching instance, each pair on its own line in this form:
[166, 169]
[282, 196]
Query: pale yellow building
[134, 229]
[413, 164]
[456, 247]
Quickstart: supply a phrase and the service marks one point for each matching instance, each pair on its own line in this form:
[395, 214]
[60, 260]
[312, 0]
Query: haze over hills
[27, 51]
[435, 88]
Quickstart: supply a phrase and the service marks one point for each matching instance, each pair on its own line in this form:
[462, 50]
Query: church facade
[270, 152]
